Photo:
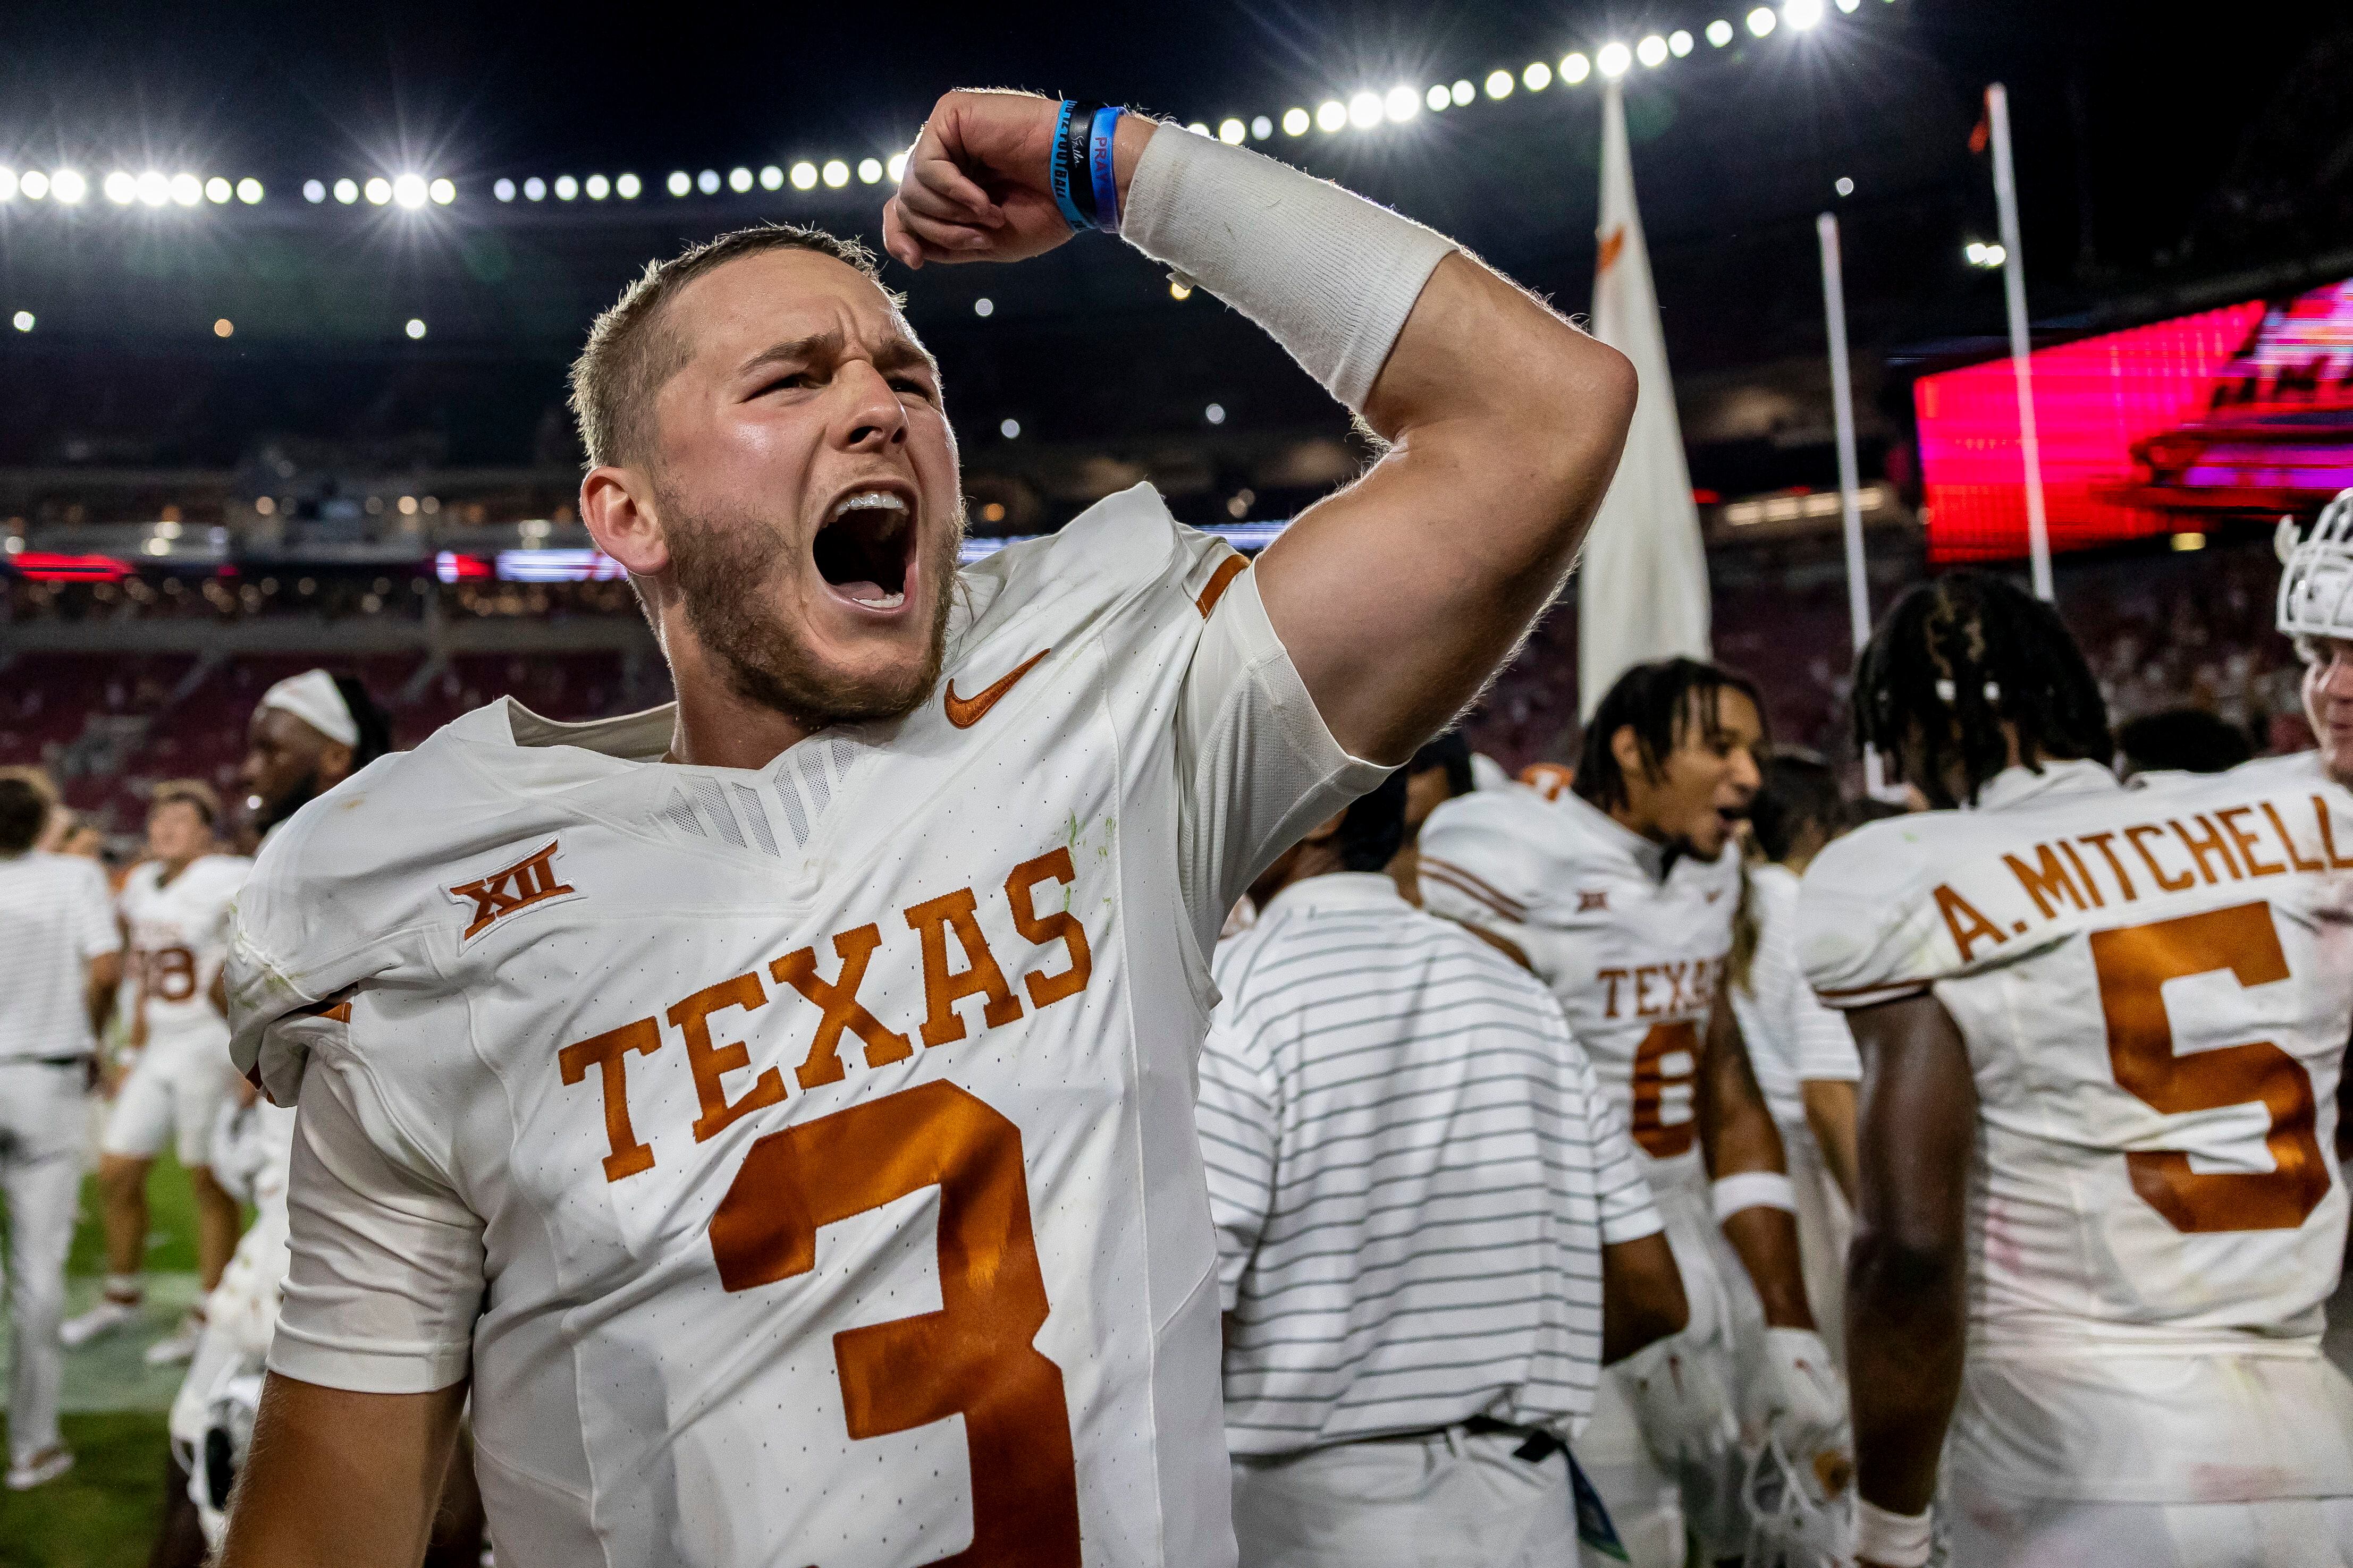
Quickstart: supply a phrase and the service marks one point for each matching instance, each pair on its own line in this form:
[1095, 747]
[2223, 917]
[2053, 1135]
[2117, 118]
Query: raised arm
[1398, 597]
[1906, 1318]
[350, 1479]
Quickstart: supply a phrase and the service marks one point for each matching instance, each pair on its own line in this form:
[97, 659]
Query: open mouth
[864, 548]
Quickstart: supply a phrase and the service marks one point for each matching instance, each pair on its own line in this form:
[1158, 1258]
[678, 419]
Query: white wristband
[1752, 1190]
[1327, 274]
[1896, 1539]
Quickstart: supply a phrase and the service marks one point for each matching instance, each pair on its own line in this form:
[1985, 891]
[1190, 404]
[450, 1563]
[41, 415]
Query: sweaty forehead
[746, 305]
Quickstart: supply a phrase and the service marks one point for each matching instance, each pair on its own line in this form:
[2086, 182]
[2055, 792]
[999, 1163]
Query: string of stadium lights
[69, 188]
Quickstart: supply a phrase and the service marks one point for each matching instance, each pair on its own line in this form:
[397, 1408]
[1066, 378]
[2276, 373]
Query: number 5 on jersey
[973, 1357]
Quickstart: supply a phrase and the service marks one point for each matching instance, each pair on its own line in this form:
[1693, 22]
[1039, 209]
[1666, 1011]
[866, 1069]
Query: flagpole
[2013, 287]
[1858, 587]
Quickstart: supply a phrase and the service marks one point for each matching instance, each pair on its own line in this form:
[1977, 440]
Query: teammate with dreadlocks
[2101, 1031]
[1619, 892]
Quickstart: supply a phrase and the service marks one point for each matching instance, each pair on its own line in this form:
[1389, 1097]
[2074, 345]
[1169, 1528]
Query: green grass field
[103, 1513]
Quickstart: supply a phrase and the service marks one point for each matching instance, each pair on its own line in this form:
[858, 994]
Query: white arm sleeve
[1261, 767]
[386, 1273]
[95, 932]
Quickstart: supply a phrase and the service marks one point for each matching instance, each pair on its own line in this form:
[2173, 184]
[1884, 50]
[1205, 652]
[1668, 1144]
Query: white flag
[1642, 589]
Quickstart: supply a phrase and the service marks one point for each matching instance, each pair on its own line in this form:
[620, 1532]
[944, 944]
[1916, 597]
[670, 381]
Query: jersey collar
[2016, 786]
[1337, 890]
[1649, 858]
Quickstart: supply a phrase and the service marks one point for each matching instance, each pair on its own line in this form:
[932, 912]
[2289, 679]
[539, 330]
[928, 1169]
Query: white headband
[313, 698]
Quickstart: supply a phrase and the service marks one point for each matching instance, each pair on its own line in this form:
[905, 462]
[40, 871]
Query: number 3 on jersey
[2133, 965]
[972, 1357]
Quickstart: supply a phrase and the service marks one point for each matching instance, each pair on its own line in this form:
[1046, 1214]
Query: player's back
[2156, 988]
[1631, 940]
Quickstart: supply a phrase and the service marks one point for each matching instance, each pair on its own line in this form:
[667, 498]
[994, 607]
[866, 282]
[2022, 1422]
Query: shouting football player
[2102, 1032]
[732, 1094]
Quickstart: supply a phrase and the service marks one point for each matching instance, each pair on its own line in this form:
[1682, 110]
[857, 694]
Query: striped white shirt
[1792, 1037]
[1413, 1171]
[55, 915]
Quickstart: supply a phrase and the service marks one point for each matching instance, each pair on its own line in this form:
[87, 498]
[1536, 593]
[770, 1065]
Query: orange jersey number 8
[973, 1356]
[2133, 965]
[1666, 1080]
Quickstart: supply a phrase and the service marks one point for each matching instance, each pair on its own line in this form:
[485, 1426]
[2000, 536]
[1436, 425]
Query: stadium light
[1400, 104]
[1261, 128]
[836, 174]
[1462, 91]
[22, 320]
[314, 191]
[1652, 51]
[1230, 131]
[249, 191]
[1499, 84]
[739, 179]
[347, 191]
[1365, 111]
[1181, 292]
[217, 191]
[626, 187]
[1850, 6]
[68, 186]
[1761, 21]
[223, 327]
[416, 329]
[1575, 69]
[897, 167]
[1295, 122]
[984, 306]
[1613, 59]
[680, 182]
[1330, 115]
[188, 190]
[34, 184]
[443, 192]
[503, 189]
[804, 176]
[1719, 33]
[8, 184]
[377, 190]
[1843, 186]
[1802, 14]
[1537, 77]
[408, 190]
[534, 189]
[597, 186]
[152, 188]
[1198, 128]
[771, 177]
[1679, 43]
[870, 170]
[1438, 98]
[1215, 414]
[1010, 428]
[707, 182]
[119, 188]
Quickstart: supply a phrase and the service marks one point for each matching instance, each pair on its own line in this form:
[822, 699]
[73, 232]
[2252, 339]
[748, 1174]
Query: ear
[1627, 748]
[1327, 829]
[616, 504]
[335, 759]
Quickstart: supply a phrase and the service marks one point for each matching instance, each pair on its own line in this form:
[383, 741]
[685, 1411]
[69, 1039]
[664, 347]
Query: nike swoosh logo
[964, 712]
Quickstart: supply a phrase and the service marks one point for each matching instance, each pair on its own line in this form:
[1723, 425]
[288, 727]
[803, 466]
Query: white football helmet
[228, 1434]
[1789, 1524]
[2316, 590]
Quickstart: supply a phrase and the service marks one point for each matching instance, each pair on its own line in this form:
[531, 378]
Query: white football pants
[41, 1133]
[1448, 1501]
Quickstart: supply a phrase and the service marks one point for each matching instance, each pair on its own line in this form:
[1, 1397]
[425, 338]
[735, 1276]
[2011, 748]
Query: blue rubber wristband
[1059, 174]
[1098, 164]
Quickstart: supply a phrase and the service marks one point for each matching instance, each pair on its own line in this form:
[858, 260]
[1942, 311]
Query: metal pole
[2013, 287]
[1858, 585]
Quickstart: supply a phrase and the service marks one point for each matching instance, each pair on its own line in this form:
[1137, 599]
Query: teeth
[881, 601]
[871, 500]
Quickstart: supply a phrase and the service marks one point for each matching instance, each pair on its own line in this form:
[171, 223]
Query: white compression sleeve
[1327, 274]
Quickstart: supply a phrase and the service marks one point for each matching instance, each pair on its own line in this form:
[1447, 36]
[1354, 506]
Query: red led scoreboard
[2245, 412]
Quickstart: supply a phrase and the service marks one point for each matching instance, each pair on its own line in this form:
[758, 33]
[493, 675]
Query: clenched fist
[978, 181]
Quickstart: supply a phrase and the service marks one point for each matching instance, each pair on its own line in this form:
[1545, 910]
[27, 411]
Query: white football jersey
[2156, 988]
[1631, 940]
[179, 936]
[802, 1158]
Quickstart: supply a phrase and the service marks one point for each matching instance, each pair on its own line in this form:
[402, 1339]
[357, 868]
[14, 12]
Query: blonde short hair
[195, 792]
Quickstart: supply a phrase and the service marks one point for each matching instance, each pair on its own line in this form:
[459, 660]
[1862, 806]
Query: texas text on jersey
[1633, 955]
[2155, 987]
[740, 1128]
[179, 936]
